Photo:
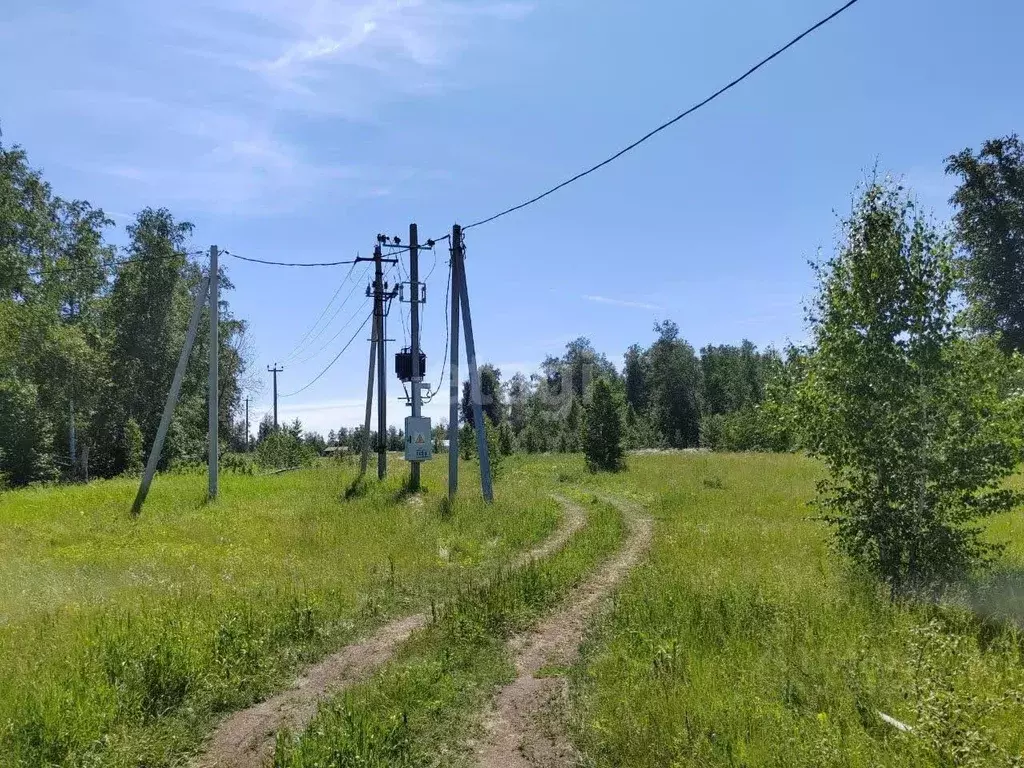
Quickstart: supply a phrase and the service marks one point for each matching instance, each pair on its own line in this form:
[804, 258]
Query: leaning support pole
[369, 397]
[474, 383]
[453, 368]
[213, 386]
[172, 398]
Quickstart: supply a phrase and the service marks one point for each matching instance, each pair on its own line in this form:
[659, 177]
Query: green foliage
[284, 450]
[133, 448]
[602, 424]
[911, 416]
[990, 224]
[92, 346]
[492, 401]
[25, 435]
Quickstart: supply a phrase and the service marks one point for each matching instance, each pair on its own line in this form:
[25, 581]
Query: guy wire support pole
[213, 394]
[374, 334]
[453, 367]
[417, 374]
[474, 377]
[172, 397]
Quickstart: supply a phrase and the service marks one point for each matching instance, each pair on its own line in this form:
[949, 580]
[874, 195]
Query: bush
[284, 450]
[602, 424]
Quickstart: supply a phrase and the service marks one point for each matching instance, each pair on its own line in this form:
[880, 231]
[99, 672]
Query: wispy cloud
[624, 303]
[217, 103]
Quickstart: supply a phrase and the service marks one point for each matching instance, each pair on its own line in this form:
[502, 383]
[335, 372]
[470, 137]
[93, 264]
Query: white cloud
[624, 303]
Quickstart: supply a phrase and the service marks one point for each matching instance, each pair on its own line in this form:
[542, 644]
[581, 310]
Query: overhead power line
[117, 263]
[289, 263]
[671, 122]
[331, 364]
[316, 323]
[333, 338]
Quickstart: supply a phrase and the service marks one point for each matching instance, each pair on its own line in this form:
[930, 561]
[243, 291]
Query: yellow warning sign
[419, 439]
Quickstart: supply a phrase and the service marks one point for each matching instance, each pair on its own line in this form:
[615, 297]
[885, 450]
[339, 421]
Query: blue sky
[299, 129]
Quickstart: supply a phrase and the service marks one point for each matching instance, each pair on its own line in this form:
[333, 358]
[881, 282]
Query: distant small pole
[453, 366]
[213, 393]
[246, 423]
[275, 370]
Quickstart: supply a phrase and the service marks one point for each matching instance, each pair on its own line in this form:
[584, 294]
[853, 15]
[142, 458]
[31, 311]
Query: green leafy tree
[133, 448]
[990, 225]
[492, 400]
[911, 416]
[603, 432]
[675, 387]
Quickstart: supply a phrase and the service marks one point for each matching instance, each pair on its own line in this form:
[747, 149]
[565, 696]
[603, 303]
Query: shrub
[602, 424]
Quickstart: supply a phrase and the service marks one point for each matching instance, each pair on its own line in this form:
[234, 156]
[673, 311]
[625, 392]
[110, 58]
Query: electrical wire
[331, 364]
[447, 336]
[111, 266]
[299, 346]
[288, 263]
[331, 340]
[671, 122]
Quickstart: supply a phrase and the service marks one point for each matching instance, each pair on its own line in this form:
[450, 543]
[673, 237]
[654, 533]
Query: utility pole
[172, 399]
[246, 423]
[275, 370]
[213, 393]
[417, 374]
[453, 367]
[73, 443]
[476, 392]
[382, 379]
[374, 335]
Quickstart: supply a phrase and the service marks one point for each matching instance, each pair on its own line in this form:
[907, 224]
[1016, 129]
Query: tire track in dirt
[525, 729]
[246, 739]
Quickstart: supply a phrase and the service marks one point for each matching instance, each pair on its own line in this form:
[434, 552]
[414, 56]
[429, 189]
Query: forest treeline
[90, 334]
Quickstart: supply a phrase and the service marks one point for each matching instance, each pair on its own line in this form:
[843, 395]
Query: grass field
[745, 642]
[120, 641]
[742, 640]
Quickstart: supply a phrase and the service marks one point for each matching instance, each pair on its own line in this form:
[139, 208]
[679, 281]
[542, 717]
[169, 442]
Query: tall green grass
[422, 708]
[121, 641]
[746, 642]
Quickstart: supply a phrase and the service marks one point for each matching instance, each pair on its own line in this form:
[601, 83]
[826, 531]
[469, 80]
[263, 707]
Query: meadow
[741, 640]
[121, 641]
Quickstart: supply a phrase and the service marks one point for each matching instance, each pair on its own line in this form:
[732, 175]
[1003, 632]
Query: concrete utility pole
[275, 370]
[374, 335]
[453, 367]
[476, 393]
[417, 374]
[213, 391]
[382, 378]
[172, 399]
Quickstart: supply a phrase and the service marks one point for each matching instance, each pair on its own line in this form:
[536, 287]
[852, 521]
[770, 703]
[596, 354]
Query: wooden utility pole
[453, 367]
[172, 399]
[213, 387]
[417, 374]
[275, 370]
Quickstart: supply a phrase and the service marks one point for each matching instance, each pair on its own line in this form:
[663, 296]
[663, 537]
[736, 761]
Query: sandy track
[246, 738]
[525, 729]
